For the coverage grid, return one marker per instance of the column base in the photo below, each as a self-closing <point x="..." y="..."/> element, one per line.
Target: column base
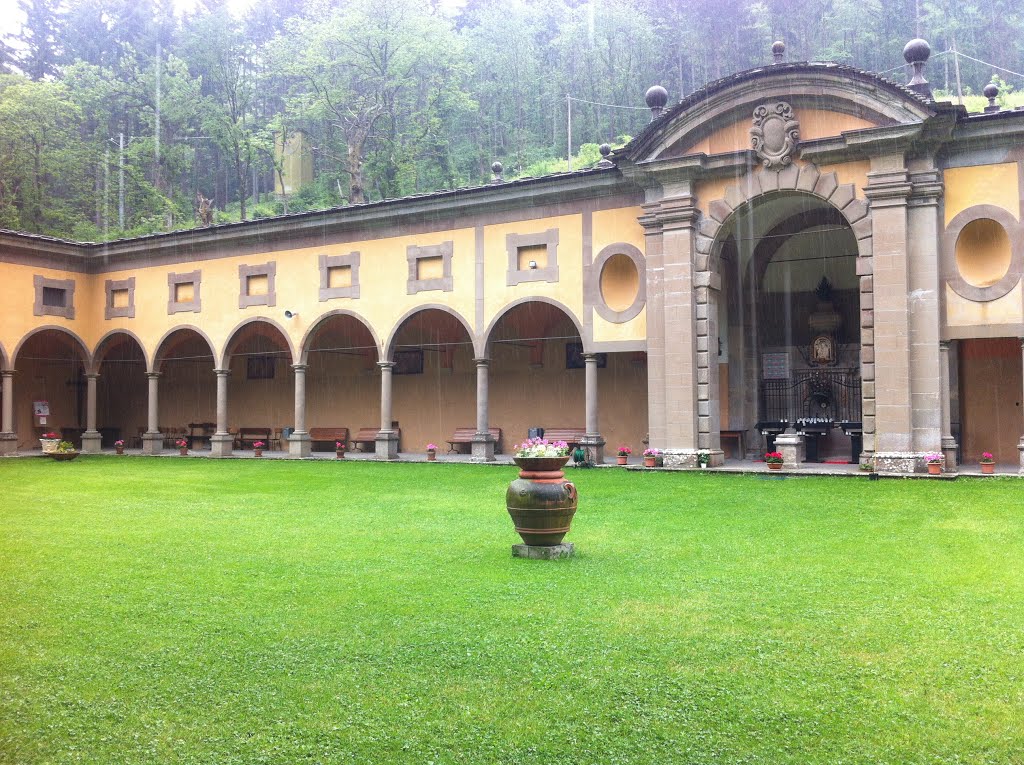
<point x="1020" y="448"/>
<point x="91" y="441"/>
<point x="152" y="442"/>
<point x="8" y="443"/>
<point x="792" y="448"/>
<point x="387" y="445"/>
<point x="482" y="447"/>
<point x="300" y="444"/>
<point x="221" y="444"/>
<point x="595" y="443"/>
<point x="949" y="453"/>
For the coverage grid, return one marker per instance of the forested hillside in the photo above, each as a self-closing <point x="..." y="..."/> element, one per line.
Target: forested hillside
<point x="115" y="114"/>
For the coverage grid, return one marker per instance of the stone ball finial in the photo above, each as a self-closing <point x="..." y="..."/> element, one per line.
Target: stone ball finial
<point x="605" y="150"/>
<point x="497" y="168"/>
<point x="917" y="51"/>
<point x="778" y="50"/>
<point x="656" y="97"/>
<point x="991" y="92"/>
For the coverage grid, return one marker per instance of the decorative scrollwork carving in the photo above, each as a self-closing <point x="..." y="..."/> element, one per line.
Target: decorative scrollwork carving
<point x="775" y="135"/>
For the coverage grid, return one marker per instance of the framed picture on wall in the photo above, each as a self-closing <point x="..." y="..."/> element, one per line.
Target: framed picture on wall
<point x="774" y="366"/>
<point x="409" y="362"/>
<point x="259" y="368"/>
<point x="574" y="357"/>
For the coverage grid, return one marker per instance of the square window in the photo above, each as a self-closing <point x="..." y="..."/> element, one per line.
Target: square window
<point x="54" y="297"/>
<point x="339" y="276"/>
<point x="119" y="298"/>
<point x="430" y="268"/>
<point x="257" y="285"/>
<point x="184" y="292"/>
<point x="533" y="257"/>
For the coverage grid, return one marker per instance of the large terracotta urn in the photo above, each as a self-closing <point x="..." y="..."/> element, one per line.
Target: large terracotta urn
<point x="540" y="501"/>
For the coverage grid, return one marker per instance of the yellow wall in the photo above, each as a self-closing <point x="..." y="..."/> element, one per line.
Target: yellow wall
<point x="982" y="185"/>
<point x="814" y="123"/>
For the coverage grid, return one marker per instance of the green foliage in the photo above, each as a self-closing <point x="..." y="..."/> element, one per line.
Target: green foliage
<point x="243" y="611"/>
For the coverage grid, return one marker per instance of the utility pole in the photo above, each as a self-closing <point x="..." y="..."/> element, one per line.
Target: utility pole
<point x="568" y="127"/>
<point x="106" y="192"/>
<point x="120" y="181"/>
<point x="956" y="68"/>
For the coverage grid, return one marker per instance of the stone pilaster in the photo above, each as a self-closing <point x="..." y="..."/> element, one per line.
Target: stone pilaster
<point x="387" y="439"/>
<point x="91" y="437"/>
<point x="927" y="386"/>
<point x="885" y="347"/>
<point x="672" y="402"/>
<point x="299" y="443"/>
<point x="8" y="438"/>
<point x="792" y="447"/>
<point x="483" y="443"/>
<point x="153" y="439"/>
<point x="221" y="441"/>
<point x="592" y="439"/>
<point x="709" y="413"/>
<point x="948" y="442"/>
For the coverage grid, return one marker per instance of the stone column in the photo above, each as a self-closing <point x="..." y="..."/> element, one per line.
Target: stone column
<point x="709" y="409"/>
<point x="153" y="439"/>
<point x="885" y="349"/>
<point x="1020" y="444"/>
<point x="221" y="441"/>
<point x="592" y="440"/>
<point x="948" y="442"/>
<point x="91" y="437"/>
<point x="299" y="443"/>
<point x="387" y="439"/>
<point x="8" y="438"/>
<point x="483" y="443"/>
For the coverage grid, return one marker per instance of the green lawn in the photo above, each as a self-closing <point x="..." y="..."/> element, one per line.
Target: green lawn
<point x="202" y="611"/>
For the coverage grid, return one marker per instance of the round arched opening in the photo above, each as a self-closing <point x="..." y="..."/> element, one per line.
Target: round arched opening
<point x="983" y="252"/>
<point x="261" y="391"/>
<point x="187" y="400"/>
<point x="121" y="390"/>
<point x="51" y="368"/>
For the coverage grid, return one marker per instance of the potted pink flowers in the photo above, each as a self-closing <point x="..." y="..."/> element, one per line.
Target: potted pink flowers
<point x="431" y="452"/>
<point x="339" y="449"/>
<point x="257" y="447"/>
<point x="119" y="445"/>
<point x="182" y="444"/>
<point x="624" y="452"/>
<point x="49" y="442"/>
<point x="651" y="457"/>
<point x="934" y="463"/>
<point x="988" y="463"/>
<point x="773" y="460"/>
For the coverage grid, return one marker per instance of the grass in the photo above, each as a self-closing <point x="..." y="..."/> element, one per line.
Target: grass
<point x="201" y="611"/>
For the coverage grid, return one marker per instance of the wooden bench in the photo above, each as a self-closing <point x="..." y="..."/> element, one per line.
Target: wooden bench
<point x="571" y="436"/>
<point x="369" y="436"/>
<point x="466" y="435"/>
<point x="249" y="436"/>
<point x="329" y="435"/>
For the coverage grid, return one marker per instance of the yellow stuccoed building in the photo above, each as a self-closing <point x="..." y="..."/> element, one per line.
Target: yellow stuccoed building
<point x="802" y="256"/>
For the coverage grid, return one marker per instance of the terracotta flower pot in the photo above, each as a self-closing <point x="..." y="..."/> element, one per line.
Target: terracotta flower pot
<point x="775" y="466"/>
<point x="648" y="461"/>
<point x="431" y="456"/>
<point x="258" y="452"/>
<point x="934" y="468"/>
<point x="622" y="459"/>
<point x="541" y="502"/>
<point x="183" y="451"/>
<point x="340" y="454"/>
<point x="988" y="468"/>
<point x="119" y="449"/>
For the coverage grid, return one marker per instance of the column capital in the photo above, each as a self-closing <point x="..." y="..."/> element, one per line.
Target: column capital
<point x="92" y="375"/>
<point x="482" y="362"/>
<point x="944" y="345"/>
<point x="222" y="372"/>
<point x="385" y="365"/>
<point x="299" y="367"/>
<point x="7" y="372"/>
<point x="590" y="357"/>
<point x="154" y="375"/>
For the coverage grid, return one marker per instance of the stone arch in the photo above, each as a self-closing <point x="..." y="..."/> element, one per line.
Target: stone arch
<point x="76" y="342"/>
<point x="160" y="349"/>
<point x="389" y="348"/>
<point x="485" y="345"/>
<point x="103" y="346"/>
<point x="5" y="363"/>
<point x="225" y="355"/>
<point x="307" y="339"/>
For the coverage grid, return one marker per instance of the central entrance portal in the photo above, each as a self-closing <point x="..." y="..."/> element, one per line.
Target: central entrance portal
<point x="789" y="338"/>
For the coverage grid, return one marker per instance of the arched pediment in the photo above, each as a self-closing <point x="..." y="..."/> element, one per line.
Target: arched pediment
<point x="826" y="100"/>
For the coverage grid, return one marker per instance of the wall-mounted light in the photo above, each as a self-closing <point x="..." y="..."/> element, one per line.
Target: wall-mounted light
<point x="290" y="314"/>
<point x="533" y="264"/>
